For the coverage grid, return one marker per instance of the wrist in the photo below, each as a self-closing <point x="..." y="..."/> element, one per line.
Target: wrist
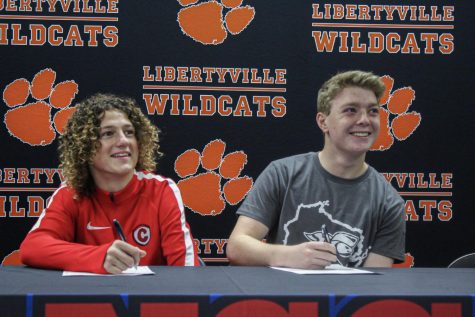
<point x="279" y="256"/>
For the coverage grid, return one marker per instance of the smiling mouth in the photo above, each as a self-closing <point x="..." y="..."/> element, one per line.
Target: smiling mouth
<point x="360" y="134"/>
<point x="121" y="155"/>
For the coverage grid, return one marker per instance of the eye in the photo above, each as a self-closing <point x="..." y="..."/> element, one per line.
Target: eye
<point x="130" y="132"/>
<point x="349" y="110"/>
<point x="374" y="111"/>
<point x="106" y="134"/>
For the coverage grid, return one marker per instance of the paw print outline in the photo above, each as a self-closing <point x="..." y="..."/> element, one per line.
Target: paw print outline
<point x="395" y="104"/>
<point x="13" y="258"/>
<point x="31" y="123"/>
<point x="408" y="261"/>
<point x="205" y="24"/>
<point x="203" y="193"/>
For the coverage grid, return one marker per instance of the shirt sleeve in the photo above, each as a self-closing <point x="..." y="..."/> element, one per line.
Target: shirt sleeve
<point x="390" y="237"/>
<point x="50" y="245"/>
<point x="264" y="201"/>
<point x="177" y="241"/>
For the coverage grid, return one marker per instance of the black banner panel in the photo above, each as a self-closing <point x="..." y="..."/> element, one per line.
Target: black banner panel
<point x="233" y="86"/>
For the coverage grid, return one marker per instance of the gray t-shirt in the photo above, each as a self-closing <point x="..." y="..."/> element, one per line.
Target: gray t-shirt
<point x="294" y="196"/>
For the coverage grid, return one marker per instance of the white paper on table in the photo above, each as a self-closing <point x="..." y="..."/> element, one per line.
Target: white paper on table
<point x="140" y="270"/>
<point x="331" y="269"/>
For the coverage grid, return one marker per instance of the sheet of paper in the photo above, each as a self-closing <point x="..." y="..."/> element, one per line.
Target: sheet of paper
<point x="140" y="270"/>
<point x="331" y="269"/>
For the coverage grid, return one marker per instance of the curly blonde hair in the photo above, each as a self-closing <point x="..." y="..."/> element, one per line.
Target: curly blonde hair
<point x="354" y="78"/>
<point x="80" y="141"/>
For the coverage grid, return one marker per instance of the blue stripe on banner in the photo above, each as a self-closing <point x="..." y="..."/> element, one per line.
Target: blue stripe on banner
<point x="29" y="305"/>
<point x="473" y="305"/>
<point x="125" y="299"/>
<point x="334" y="308"/>
<point x="214" y="297"/>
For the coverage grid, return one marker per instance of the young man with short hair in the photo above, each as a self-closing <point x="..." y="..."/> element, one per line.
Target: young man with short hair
<point x="296" y="198"/>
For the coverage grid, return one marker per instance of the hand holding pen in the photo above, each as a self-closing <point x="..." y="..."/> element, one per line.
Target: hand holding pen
<point x="121" y="255"/>
<point x="326" y="238"/>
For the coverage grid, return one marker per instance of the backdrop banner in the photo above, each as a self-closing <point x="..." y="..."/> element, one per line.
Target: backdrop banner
<point x="233" y="86"/>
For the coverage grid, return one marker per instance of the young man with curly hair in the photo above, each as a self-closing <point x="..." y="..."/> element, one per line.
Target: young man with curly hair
<point x="329" y="206"/>
<point x="107" y="153"/>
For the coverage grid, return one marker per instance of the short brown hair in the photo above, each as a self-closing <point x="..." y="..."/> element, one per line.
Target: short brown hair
<point x="354" y="78"/>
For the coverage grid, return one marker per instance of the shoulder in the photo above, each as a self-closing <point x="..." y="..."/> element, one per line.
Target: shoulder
<point x="295" y="162"/>
<point x="378" y="178"/>
<point x="153" y="182"/>
<point x="63" y="194"/>
<point x="149" y="178"/>
<point x="159" y="189"/>
<point x="296" y="159"/>
<point x="65" y="199"/>
<point x="386" y="188"/>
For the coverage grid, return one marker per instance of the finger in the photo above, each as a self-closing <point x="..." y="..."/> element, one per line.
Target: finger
<point x="118" y="256"/>
<point x="322" y="246"/>
<point x="318" y="265"/>
<point x="113" y="270"/>
<point x="321" y="254"/>
<point x="121" y="265"/>
<point x="126" y="253"/>
<point x="128" y="248"/>
<point x="117" y="269"/>
<point x="136" y="254"/>
<point x="140" y="254"/>
<point x="331" y="248"/>
<point x="321" y="263"/>
<point x="136" y="257"/>
<point x="327" y="256"/>
<point x="113" y="266"/>
<point x="128" y="260"/>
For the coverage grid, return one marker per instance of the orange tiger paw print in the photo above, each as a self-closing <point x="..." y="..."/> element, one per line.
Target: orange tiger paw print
<point x="12" y="259"/>
<point x="32" y="123"/>
<point x="204" y="22"/>
<point x="395" y="104"/>
<point x="408" y="261"/>
<point x="202" y="193"/>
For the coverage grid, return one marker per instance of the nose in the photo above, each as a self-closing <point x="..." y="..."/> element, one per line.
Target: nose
<point x="363" y="118"/>
<point x="122" y="139"/>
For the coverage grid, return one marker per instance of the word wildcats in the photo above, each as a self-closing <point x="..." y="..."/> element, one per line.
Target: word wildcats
<point x="214" y="91"/>
<point x="377" y="29"/>
<point x="76" y="23"/>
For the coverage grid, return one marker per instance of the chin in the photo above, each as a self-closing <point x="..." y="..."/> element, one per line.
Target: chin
<point x="124" y="171"/>
<point x="359" y="151"/>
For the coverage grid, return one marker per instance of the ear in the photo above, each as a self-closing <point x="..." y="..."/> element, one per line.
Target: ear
<point x="321" y="122"/>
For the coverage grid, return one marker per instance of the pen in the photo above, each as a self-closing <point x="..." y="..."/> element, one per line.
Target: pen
<point x="326" y="238"/>
<point x="118" y="227"/>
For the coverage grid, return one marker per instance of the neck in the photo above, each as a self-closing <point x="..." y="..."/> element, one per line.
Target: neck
<point x="343" y="166"/>
<point x="113" y="184"/>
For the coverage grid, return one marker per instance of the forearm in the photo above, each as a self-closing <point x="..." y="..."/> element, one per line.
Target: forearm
<point x="180" y="251"/>
<point x="376" y="260"/>
<point x="44" y="251"/>
<point x="246" y="250"/>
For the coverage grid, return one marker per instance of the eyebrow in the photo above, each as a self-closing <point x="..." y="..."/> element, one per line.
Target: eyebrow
<point x="355" y="104"/>
<point x="114" y="127"/>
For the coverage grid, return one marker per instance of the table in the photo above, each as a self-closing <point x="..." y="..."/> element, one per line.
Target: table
<point x="231" y="291"/>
